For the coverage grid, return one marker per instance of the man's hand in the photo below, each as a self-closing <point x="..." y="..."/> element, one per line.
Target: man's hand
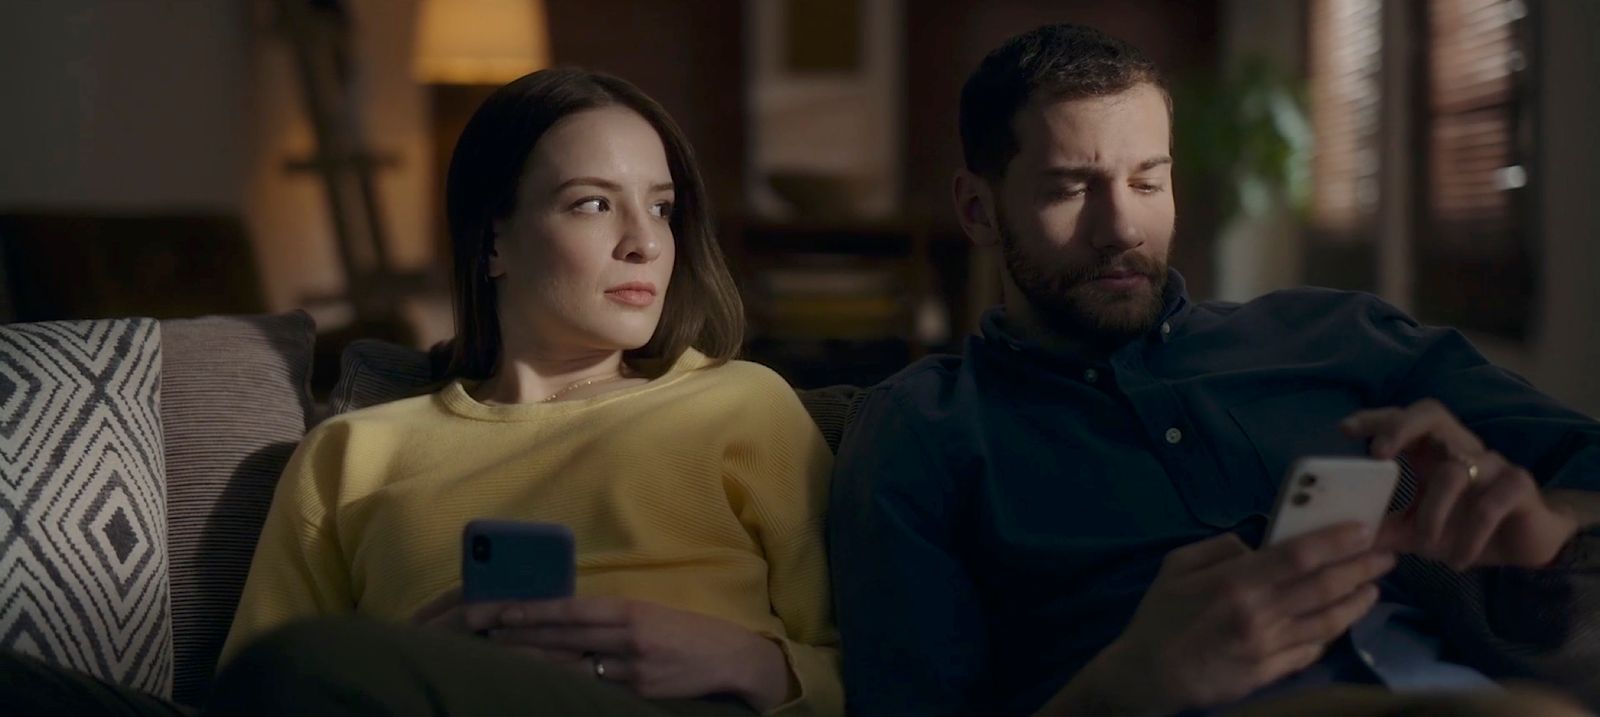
<point x="1221" y="621"/>
<point x="658" y="652"/>
<point x="1473" y="507"/>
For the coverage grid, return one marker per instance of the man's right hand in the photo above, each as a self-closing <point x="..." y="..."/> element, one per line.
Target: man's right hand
<point x="1222" y="620"/>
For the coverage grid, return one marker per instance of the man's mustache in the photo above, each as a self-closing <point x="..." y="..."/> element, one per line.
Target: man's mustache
<point x="1125" y="265"/>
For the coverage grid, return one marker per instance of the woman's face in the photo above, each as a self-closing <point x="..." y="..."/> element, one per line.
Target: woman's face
<point x="582" y="263"/>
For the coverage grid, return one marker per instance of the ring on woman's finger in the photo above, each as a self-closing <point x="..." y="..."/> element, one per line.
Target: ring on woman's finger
<point x="598" y="664"/>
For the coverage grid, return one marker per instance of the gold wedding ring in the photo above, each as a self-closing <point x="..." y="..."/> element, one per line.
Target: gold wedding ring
<point x="1471" y="465"/>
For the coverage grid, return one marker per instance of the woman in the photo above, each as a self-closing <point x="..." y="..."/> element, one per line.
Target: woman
<point x="592" y="387"/>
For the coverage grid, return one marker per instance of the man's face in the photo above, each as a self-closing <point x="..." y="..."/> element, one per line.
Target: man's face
<point x="1085" y="212"/>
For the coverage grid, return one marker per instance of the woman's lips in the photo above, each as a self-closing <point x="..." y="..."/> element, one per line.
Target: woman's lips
<point x="637" y="294"/>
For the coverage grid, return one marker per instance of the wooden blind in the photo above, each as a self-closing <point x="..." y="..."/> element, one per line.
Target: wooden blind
<point x="1472" y="162"/>
<point x="1346" y="90"/>
<point x="1474" y="258"/>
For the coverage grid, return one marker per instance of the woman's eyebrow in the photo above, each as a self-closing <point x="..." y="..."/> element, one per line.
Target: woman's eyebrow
<point x="607" y="184"/>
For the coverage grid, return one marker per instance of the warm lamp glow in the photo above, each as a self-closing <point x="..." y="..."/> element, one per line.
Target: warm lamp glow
<point x="480" y="42"/>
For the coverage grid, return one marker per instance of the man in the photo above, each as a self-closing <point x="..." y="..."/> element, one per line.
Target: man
<point x="1060" y="520"/>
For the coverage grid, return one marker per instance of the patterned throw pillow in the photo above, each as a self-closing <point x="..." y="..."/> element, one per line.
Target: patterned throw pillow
<point x="83" y="548"/>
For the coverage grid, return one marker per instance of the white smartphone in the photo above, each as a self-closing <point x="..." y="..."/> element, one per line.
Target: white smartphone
<point x="1324" y="491"/>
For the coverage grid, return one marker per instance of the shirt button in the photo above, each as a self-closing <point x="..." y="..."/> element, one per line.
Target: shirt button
<point x="1174" y="436"/>
<point x="1091" y="375"/>
<point x="1367" y="658"/>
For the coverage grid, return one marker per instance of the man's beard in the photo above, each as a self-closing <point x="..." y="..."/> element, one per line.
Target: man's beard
<point x="1064" y="298"/>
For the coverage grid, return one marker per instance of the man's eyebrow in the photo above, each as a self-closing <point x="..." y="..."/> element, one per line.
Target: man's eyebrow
<point x="1154" y="162"/>
<point x="1073" y="171"/>
<point x="1090" y="171"/>
<point x="607" y="184"/>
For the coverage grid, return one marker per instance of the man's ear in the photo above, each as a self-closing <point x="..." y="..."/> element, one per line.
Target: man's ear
<point x="975" y="204"/>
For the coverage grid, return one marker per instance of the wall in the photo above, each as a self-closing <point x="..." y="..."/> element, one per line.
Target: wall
<point x="123" y="106"/>
<point x="1566" y="352"/>
<point x="1563" y="352"/>
<point x="687" y="54"/>
<point x="178" y="106"/>
<point x="288" y="211"/>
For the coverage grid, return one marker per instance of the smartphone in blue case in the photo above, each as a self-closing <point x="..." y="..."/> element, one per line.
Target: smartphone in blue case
<point x="513" y="560"/>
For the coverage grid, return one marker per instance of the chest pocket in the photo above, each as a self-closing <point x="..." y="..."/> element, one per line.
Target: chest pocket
<point x="1287" y="427"/>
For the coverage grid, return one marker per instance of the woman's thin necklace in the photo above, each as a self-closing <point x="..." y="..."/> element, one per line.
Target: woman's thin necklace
<point x="575" y="386"/>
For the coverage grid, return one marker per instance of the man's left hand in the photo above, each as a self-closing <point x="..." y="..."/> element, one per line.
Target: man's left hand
<point x="1473" y="507"/>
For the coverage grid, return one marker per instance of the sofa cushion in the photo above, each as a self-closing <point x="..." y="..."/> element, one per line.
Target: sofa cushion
<point x="234" y="404"/>
<point x="373" y="372"/>
<point x="833" y="409"/>
<point x="83" y="515"/>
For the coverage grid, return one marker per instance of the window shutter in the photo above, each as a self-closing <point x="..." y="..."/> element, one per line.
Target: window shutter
<point x="1346" y="92"/>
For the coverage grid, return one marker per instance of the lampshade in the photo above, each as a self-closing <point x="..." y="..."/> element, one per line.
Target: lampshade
<point x="480" y="42"/>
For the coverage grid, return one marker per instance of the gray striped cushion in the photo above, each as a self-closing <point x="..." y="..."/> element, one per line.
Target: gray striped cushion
<point x="83" y="549"/>
<point x="234" y="405"/>
<point x="373" y="372"/>
<point x="833" y="409"/>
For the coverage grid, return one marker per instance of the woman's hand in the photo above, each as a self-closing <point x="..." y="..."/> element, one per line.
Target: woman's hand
<point x="448" y="612"/>
<point x="658" y="652"/>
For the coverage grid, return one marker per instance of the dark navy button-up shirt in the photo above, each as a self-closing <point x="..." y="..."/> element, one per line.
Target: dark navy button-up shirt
<point x="997" y="516"/>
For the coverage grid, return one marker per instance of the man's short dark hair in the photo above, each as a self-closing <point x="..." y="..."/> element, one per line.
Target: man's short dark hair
<point x="1061" y="62"/>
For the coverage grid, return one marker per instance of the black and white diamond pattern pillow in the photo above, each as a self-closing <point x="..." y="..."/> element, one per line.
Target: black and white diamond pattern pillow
<point x="83" y="551"/>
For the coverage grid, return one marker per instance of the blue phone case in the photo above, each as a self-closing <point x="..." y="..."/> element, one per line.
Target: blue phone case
<point x="511" y="560"/>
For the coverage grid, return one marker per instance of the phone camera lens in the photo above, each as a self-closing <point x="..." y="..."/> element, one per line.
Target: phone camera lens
<point x="1301" y="498"/>
<point x="1308" y="481"/>
<point x="480" y="549"/>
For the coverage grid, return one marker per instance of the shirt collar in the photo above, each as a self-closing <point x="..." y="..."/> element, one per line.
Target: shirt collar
<point x="1175" y="307"/>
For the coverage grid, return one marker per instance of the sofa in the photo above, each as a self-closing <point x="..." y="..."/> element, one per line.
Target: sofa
<point x="138" y="459"/>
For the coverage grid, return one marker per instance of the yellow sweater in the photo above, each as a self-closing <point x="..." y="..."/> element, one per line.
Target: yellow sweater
<point x="702" y="490"/>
